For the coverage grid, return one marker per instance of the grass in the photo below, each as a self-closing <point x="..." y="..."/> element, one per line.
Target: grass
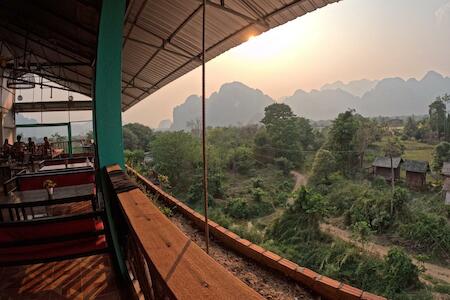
<point x="418" y="151"/>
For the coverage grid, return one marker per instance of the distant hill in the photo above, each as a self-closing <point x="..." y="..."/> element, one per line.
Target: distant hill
<point x="78" y="128"/>
<point x="389" y="97"/>
<point x="237" y="104"/>
<point x="356" y="87"/>
<point x="234" y="104"/>
<point x="164" y="125"/>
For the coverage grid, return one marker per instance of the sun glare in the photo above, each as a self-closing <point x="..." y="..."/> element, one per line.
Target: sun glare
<point x="272" y="44"/>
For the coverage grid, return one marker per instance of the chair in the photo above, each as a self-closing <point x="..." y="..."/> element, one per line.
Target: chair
<point x="5" y="173"/>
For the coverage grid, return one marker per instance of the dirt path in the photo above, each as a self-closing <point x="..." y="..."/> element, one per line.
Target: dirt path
<point x="300" y="180"/>
<point x="269" y="284"/>
<point x="435" y="271"/>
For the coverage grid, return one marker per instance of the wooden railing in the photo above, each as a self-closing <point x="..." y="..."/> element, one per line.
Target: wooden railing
<point x="162" y="262"/>
<point x="324" y="286"/>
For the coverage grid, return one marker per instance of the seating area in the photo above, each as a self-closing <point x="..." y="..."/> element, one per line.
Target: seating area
<point x="89" y="277"/>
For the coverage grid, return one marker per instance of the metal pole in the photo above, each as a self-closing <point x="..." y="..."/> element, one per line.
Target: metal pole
<point x="205" y="161"/>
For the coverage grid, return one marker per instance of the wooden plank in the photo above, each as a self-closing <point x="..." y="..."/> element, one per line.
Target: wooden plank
<point x="186" y="269"/>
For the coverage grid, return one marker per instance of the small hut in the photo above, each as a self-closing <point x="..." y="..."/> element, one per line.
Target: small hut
<point x="416" y="173"/>
<point x="382" y="167"/>
<point x="446" y="191"/>
<point x="446" y="169"/>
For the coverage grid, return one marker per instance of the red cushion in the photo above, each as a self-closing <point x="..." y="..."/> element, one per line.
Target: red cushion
<point x="36" y="182"/>
<point x="53" y="250"/>
<point x="40" y="231"/>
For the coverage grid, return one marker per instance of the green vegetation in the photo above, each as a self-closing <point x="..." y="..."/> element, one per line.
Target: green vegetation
<point x="251" y="191"/>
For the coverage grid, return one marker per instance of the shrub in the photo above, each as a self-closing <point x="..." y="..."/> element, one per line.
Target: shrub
<point x="257" y="182"/>
<point x="399" y="272"/>
<point x="429" y="232"/>
<point x="241" y="209"/>
<point x="284" y="164"/>
<point x="258" y="194"/>
<point x="238" y="208"/>
<point x="379" y="182"/>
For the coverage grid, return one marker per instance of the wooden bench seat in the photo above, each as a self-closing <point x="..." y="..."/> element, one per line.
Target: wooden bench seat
<point x="183" y="269"/>
<point x="52" y="238"/>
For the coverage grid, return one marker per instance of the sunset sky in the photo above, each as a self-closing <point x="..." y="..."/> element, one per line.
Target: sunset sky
<point x="349" y="40"/>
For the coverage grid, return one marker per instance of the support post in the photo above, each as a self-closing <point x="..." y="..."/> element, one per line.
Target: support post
<point x="69" y="144"/>
<point x="107" y="110"/>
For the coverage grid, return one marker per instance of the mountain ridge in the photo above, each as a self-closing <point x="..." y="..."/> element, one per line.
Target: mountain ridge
<point x="238" y="104"/>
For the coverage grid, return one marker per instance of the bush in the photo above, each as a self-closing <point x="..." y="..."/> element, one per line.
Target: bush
<point x="258" y="194"/>
<point x="373" y="207"/>
<point x="284" y="165"/>
<point x="379" y="182"/>
<point x="399" y="272"/>
<point x="238" y="208"/>
<point x="429" y="232"/>
<point x="241" y="209"/>
<point x="257" y="182"/>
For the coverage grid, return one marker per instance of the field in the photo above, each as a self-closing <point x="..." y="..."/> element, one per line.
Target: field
<point x="418" y="151"/>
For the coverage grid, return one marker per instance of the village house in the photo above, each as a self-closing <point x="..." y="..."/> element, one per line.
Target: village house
<point x="416" y="173"/>
<point x="446" y="169"/>
<point x="382" y="167"/>
<point x="446" y="186"/>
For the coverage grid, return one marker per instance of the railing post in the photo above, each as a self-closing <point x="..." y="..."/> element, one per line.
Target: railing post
<point x="69" y="133"/>
<point x="107" y="112"/>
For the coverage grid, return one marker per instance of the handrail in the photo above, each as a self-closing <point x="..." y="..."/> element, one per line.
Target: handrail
<point x="319" y="284"/>
<point x="164" y="263"/>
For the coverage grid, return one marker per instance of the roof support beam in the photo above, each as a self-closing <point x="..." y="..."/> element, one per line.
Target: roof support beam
<point x="168" y="40"/>
<point x="261" y="21"/>
<point x="195" y="58"/>
<point x="162" y="47"/>
<point x="26" y="107"/>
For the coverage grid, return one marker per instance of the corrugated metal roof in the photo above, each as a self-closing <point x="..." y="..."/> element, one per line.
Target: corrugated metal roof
<point x="162" y="39"/>
<point x="417" y="166"/>
<point x="385" y="162"/>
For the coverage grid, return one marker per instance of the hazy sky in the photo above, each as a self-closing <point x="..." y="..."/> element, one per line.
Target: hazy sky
<point x="349" y="40"/>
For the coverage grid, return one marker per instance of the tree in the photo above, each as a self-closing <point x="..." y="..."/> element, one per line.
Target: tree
<point x="275" y="113"/>
<point x="393" y="148"/>
<point x="341" y="141"/>
<point x="241" y="160"/>
<point x="176" y="155"/>
<point x="130" y="140"/>
<point x="367" y="133"/>
<point x="142" y="135"/>
<point x="288" y="134"/>
<point x="410" y="129"/>
<point x="441" y="154"/>
<point x="323" y="166"/>
<point x="437" y="113"/>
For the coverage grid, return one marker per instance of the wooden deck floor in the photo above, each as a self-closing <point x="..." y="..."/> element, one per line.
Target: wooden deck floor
<point x="83" y="278"/>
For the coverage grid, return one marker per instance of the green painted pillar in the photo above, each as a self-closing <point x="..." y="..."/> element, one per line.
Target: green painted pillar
<point x="107" y="113"/>
<point x="108" y="84"/>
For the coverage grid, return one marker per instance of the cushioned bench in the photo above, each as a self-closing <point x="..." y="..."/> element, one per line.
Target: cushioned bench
<point x="61" y="178"/>
<point x="52" y="238"/>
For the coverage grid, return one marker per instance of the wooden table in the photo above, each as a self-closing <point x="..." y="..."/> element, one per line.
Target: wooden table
<point x="63" y="166"/>
<point x="17" y="201"/>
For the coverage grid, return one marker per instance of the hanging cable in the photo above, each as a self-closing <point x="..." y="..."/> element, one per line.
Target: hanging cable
<point x="205" y="161"/>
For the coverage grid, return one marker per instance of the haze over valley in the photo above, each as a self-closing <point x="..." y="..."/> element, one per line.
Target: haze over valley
<point x="237" y="104"/>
